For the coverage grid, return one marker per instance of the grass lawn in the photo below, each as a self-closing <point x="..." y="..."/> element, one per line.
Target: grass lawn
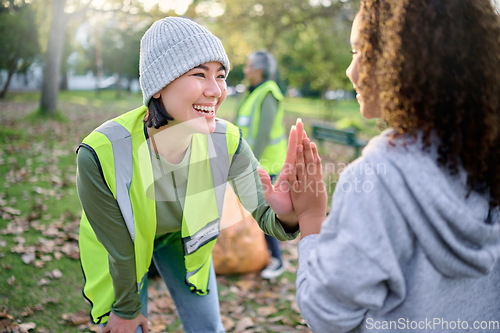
<point x="40" y="275"/>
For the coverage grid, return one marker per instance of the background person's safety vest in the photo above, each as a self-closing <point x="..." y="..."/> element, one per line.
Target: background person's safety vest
<point x="249" y="112"/>
<point x="124" y="157"/>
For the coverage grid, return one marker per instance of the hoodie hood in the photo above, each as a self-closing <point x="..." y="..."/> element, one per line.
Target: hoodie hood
<point x="457" y="229"/>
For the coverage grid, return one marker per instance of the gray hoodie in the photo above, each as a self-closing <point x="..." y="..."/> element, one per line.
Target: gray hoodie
<point x="405" y="248"/>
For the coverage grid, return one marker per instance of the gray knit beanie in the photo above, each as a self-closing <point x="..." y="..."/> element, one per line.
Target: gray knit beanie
<point x="171" y="47"/>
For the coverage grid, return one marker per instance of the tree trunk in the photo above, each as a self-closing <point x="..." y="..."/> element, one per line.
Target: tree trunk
<point x="118" y="85"/>
<point x="63" y="86"/>
<point x="11" y="72"/>
<point x="50" y="85"/>
<point x="12" y="67"/>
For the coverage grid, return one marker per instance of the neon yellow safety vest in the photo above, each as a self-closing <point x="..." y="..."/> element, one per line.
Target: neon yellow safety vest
<point x="273" y="156"/>
<point x="124" y="157"/>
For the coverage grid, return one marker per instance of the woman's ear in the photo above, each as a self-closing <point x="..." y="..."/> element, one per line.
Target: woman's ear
<point x="157" y="95"/>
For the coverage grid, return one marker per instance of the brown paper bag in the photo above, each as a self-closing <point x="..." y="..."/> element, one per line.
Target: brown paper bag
<point x="241" y="246"/>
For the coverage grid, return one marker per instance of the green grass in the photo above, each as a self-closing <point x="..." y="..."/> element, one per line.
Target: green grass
<point x="37" y="161"/>
<point x="40" y="210"/>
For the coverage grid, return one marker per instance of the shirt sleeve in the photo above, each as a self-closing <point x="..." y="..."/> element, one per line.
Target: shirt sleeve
<point x="245" y="181"/>
<point x="351" y="266"/>
<point x="268" y="112"/>
<point x="104" y="215"/>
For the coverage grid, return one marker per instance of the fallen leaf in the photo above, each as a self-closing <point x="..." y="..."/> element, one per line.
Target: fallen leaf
<point x="5" y="325"/>
<point x="5" y="315"/>
<point x="295" y="307"/>
<point x="159" y="324"/>
<point x="43" y="282"/>
<point x="77" y="318"/>
<point x="266" y="311"/>
<point x="54" y="300"/>
<point x="245" y="285"/>
<point x="28" y="258"/>
<point x="94" y="328"/>
<point x="47" y="245"/>
<point x="237" y="309"/>
<point x="55" y="274"/>
<point x="19" y="240"/>
<point x="26" y="327"/>
<point x="38" y="307"/>
<point x="11" y="211"/>
<point x="11" y="280"/>
<point x="227" y="322"/>
<point x="14" y="227"/>
<point x="27" y="312"/>
<point x="243" y="324"/>
<point x="39" y="264"/>
<point x="71" y="250"/>
<point x="161" y="304"/>
<point x="52" y="231"/>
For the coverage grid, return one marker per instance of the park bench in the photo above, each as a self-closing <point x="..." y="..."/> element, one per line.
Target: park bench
<point x="324" y="132"/>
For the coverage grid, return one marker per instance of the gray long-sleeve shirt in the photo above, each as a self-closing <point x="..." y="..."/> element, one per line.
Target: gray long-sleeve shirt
<point x="405" y="248"/>
<point x="104" y="215"/>
<point x="268" y="112"/>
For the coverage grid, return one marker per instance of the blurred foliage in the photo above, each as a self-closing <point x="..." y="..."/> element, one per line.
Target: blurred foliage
<point x="19" y="45"/>
<point x="309" y="39"/>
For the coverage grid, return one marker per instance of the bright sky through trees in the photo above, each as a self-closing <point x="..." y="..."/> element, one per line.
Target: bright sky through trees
<point x="179" y="6"/>
<point x="207" y="8"/>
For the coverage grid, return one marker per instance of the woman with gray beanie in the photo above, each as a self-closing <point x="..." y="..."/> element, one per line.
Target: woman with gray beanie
<point x="152" y="181"/>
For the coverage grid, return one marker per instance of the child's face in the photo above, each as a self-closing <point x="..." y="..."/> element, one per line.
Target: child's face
<point x="194" y="98"/>
<point x="368" y="105"/>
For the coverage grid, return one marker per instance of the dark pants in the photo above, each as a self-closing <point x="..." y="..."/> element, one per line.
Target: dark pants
<point x="272" y="243"/>
<point x="274" y="247"/>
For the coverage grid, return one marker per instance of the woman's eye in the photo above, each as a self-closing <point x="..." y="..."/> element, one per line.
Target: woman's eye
<point x="199" y="74"/>
<point x="222" y="76"/>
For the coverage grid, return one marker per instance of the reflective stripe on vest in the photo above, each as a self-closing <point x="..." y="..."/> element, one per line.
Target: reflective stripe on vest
<point x="249" y="112"/>
<point x="121" y="143"/>
<point x="125" y="134"/>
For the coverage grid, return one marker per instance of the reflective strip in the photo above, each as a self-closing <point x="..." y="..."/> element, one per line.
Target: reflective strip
<point x="279" y="139"/>
<point x="189" y="274"/>
<point x="203" y="236"/>
<point x="140" y="284"/>
<point x="250" y="140"/>
<point x="121" y="143"/>
<point x="219" y="165"/>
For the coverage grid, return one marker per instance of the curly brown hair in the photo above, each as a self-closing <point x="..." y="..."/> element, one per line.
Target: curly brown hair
<point x="435" y="66"/>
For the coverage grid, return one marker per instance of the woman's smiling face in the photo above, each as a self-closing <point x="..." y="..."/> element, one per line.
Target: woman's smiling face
<point x="369" y="105"/>
<point x="194" y="98"/>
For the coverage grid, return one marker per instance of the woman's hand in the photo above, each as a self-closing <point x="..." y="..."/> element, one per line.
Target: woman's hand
<point x="307" y="189"/>
<point x="278" y="196"/>
<point x="116" y="324"/>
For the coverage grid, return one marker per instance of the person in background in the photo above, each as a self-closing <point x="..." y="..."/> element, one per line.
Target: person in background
<point x="260" y="117"/>
<point x="152" y="181"/>
<point x="412" y="239"/>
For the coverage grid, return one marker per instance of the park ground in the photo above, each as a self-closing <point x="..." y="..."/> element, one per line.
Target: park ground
<point x="40" y="274"/>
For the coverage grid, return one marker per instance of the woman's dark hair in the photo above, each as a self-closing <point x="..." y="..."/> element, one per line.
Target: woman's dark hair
<point x="435" y="66"/>
<point x="156" y="116"/>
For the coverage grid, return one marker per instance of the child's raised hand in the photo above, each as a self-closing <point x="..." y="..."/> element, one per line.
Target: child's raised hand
<point x="307" y="188"/>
